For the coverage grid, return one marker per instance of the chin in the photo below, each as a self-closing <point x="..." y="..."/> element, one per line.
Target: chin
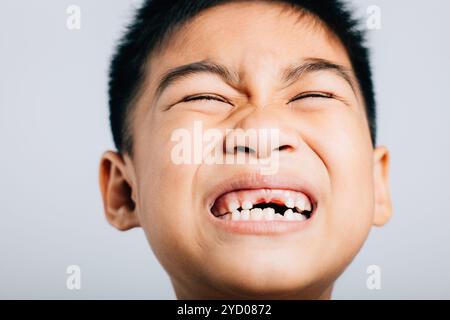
<point x="266" y="275"/>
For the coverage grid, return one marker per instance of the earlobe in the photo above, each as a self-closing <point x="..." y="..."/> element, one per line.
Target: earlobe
<point x="117" y="190"/>
<point x="382" y="196"/>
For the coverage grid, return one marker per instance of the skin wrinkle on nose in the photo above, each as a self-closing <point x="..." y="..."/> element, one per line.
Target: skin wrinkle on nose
<point x="257" y="73"/>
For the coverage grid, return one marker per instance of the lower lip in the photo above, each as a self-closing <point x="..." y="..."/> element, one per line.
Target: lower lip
<point x="262" y="227"/>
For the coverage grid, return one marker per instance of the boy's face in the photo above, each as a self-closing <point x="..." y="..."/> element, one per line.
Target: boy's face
<point x="324" y="153"/>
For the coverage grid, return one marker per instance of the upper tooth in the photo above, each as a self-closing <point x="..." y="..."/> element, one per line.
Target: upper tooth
<point x="232" y="206"/>
<point x="303" y="204"/>
<point x="300" y="204"/>
<point x="247" y="205"/>
<point x="308" y="206"/>
<point x="290" y="203"/>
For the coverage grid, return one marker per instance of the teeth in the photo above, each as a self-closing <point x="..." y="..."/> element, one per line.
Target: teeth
<point x="308" y="206"/>
<point x="300" y="204"/>
<point x="289" y="215"/>
<point x="290" y="203"/>
<point x="233" y="206"/>
<point x="268" y="214"/>
<point x="245" y="215"/>
<point x="256" y="211"/>
<point x="247" y="205"/>
<point x="256" y="214"/>
<point x="278" y="217"/>
<point x="303" y="204"/>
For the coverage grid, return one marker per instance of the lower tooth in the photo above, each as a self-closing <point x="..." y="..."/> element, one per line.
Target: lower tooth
<point x="245" y="214"/>
<point x="268" y="214"/>
<point x="235" y="215"/>
<point x="278" y="217"/>
<point x="256" y="214"/>
<point x="289" y="215"/>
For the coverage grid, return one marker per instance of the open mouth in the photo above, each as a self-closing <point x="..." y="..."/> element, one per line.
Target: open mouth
<point x="263" y="204"/>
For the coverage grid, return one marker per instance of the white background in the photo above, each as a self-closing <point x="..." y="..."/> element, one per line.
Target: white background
<point x="54" y="127"/>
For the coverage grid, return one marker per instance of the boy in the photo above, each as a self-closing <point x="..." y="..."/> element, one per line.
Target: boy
<point x="223" y="229"/>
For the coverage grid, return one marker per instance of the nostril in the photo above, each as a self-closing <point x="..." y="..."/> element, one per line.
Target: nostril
<point x="284" y="148"/>
<point x="243" y="149"/>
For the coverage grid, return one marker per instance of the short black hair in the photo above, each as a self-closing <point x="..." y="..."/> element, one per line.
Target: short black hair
<point x="156" y="19"/>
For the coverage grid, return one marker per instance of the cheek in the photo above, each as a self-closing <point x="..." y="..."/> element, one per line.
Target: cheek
<point x="344" y="146"/>
<point x="166" y="210"/>
<point x="166" y="196"/>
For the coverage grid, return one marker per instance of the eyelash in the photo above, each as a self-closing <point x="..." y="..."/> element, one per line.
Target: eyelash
<point x="204" y="97"/>
<point x="299" y="97"/>
<point x="314" y="95"/>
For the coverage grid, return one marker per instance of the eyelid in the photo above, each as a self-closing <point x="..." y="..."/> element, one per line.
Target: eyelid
<point x="314" y="94"/>
<point x="205" y="97"/>
<point x="311" y="94"/>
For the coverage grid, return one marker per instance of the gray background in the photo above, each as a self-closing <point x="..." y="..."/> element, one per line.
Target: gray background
<point x="53" y="129"/>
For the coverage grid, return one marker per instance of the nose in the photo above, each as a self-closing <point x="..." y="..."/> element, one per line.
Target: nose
<point x="260" y="134"/>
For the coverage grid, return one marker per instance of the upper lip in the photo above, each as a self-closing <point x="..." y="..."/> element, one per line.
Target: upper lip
<point x="251" y="180"/>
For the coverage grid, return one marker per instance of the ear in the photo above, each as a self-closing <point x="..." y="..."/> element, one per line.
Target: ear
<point x="383" y="203"/>
<point x="117" y="192"/>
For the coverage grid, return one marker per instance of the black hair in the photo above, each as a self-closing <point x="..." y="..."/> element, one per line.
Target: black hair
<point x="156" y="19"/>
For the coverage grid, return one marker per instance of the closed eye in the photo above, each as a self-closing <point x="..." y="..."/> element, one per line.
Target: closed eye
<point x="304" y="95"/>
<point x="313" y="95"/>
<point x="204" y="97"/>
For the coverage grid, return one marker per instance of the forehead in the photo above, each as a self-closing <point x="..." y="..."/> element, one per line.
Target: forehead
<point x="248" y="36"/>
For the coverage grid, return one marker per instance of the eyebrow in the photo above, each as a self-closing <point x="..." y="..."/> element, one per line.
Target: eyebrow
<point x="293" y="73"/>
<point x="185" y="71"/>
<point x="289" y="75"/>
